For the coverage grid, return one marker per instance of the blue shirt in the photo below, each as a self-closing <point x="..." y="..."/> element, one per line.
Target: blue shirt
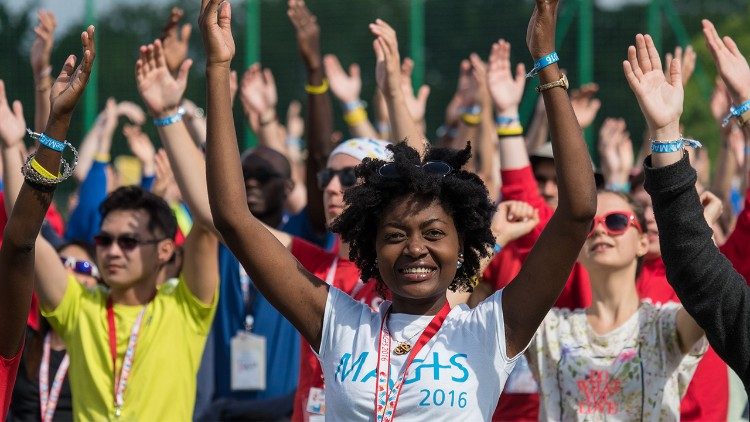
<point x="282" y="339"/>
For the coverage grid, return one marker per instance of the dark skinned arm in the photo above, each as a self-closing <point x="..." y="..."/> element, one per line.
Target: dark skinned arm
<point x="31" y="203"/>
<point x="534" y="290"/>
<point x="296" y="293"/>
<point x="319" y="118"/>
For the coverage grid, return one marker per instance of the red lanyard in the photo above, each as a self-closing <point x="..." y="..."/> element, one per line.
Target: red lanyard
<point x="386" y="399"/>
<point x="48" y="396"/>
<point x="121" y="380"/>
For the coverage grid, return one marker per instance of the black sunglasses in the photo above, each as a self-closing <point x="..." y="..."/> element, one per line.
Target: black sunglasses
<point x="262" y="175"/>
<point x="126" y="243"/>
<point x="438" y="168"/>
<point x="347" y="177"/>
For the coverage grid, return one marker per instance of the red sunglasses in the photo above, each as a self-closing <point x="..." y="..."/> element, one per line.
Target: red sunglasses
<point x="616" y="222"/>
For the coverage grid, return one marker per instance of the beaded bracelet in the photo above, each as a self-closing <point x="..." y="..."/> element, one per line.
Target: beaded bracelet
<point x="661" y="147"/>
<point x="169" y="120"/>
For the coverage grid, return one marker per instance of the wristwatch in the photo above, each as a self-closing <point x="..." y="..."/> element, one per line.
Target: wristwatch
<point x="562" y="82"/>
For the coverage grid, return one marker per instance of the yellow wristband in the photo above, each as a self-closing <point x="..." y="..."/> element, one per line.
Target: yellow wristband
<point x="356" y="116"/>
<point x="471" y="119"/>
<point x="317" y="89"/>
<point x="514" y="130"/>
<point x="102" y="157"/>
<point x="42" y="171"/>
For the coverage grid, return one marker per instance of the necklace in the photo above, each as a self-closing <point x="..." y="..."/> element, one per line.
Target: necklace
<point x="403" y="347"/>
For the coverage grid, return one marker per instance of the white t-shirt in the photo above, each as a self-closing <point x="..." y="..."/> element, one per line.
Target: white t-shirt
<point x="458" y="375"/>
<point x="635" y="372"/>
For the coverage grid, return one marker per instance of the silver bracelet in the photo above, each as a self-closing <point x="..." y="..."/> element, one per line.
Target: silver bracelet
<point x="33" y="176"/>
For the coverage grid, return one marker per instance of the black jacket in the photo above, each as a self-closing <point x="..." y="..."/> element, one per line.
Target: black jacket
<point x="705" y="281"/>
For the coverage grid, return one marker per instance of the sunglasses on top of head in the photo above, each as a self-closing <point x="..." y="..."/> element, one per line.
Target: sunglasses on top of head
<point x="80" y="266"/>
<point x="616" y="222"/>
<point x="126" y="243"/>
<point x="437" y="168"/>
<point x="347" y="177"/>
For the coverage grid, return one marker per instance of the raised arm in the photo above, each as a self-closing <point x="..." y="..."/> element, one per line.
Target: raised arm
<point x="319" y="119"/>
<point x="389" y="76"/>
<point x="258" y="91"/>
<point x="616" y="154"/>
<point x="41" y="50"/>
<point x="507" y="90"/>
<point x="532" y="293"/>
<point x="17" y="254"/>
<point x="297" y="294"/>
<point x="709" y="288"/>
<point x="347" y="88"/>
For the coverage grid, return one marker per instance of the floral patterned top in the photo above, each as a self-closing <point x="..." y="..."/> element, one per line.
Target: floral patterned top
<point x="635" y="372"/>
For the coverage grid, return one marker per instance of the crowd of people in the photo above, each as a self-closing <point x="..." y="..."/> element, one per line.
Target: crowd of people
<point x="491" y="274"/>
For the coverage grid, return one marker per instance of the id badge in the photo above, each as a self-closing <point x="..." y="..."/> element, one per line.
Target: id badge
<point x="316" y="403"/>
<point x="248" y="353"/>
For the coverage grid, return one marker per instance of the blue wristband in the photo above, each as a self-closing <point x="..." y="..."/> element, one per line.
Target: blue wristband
<point x="505" y="120"/>
<point x="735" y="112"/>
<point x="472" y="110"/>
<point x="166" y="121"/>
<point x="50" y="143"/>
<point x="497" y="248"/>
<point x="543" y="62"/>
<point x="661" y="147"/>
<point x="353" y="105"/>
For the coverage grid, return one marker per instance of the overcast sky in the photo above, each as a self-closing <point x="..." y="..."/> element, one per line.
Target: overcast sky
<point x="70" y="11"/>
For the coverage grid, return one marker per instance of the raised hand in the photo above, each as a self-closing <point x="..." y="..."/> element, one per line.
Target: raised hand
<point x="540" y="34"/>
<point x="258" y="90"/>
<point x="12" y="123"/>
<point x="615" y="151"/>
<point x="464" y="93"/>
<point x="70" y="83"/>
<point x="387" y="59"/>
<point x="720" y="101"/>
<point x="140" y="145"/>
<point x="713" y="207"/>
<point x="506" y="90"/>
<point x="585" y="104"/>
<point x="417" y="105"/>
<point x="660" y="97"/>
<point x="161" y="92"/>
<point x="687" y="58"/>
<point x="731" y="64"/>
<point x="512" y="220"/>
<point x="41" y="49"/>
<point x="295" y="124"/>
<point x="175" y="43"/>
<point x="308" y="33"/>
<point x="108" y="118"/>
<point x="347" y="87"/>
<point x="132" y="111"/>
<point x="165" y="184"/>
<point x="216" y="28"/>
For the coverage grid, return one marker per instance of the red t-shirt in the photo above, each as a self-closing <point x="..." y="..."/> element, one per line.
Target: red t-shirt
<point x="8" y="370"/>
<point x="346" y="278"/>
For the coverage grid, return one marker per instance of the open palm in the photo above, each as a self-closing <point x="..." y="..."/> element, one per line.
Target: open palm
<point x="159" y="89"/>
<point x="12" y="123"/>
<point x="506" y="91"/>
<point x="69" y="86"/>
<point x="660" y="97"/>
<point x="216" y="28"/>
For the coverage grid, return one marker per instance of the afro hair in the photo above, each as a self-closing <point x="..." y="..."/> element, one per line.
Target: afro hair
<point x="461" y="193"/>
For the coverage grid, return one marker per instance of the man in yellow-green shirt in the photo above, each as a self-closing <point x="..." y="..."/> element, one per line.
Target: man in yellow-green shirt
<point x="155" y="331"/>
